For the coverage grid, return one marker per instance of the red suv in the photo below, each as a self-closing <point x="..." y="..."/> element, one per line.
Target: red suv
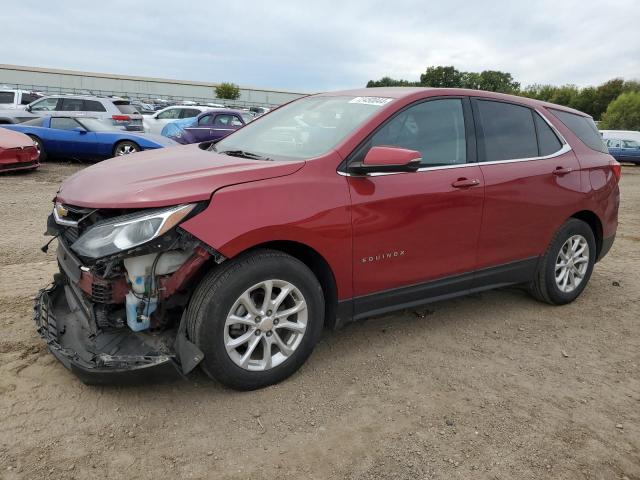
<point x="335" y="207"/>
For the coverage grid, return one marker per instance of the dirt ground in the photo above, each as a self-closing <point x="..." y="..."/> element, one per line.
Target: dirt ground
<point x="492" y="386"/>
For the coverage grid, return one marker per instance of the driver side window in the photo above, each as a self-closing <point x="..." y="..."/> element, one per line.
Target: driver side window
<point x="45" y="105"/>
<point x="435" y="128"/>
<point x="171" y="114"/>
<point x="64" y="123"/>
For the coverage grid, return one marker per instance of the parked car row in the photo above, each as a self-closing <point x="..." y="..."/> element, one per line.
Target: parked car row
<point x="623" y="145"/>
<point x="84" y="138"/>
<point x="17" y="106"/>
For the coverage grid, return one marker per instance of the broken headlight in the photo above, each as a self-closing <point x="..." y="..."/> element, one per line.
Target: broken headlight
<point x="122" y="233"/>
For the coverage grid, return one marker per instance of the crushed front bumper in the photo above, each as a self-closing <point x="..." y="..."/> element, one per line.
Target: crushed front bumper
<point x="95" y="356"/>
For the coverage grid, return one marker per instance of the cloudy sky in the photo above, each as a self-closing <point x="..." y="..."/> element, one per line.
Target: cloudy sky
<point x="325" y="45"/>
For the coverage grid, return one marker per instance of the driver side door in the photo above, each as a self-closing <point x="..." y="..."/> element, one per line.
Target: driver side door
<point x="415" y="235"/>
<point x="69" y="139"/>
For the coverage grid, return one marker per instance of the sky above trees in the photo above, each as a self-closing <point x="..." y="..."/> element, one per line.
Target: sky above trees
<point x="315" y="46"/>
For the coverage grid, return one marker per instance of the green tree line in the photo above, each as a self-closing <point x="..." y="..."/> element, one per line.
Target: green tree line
<point x="594" y="101"/>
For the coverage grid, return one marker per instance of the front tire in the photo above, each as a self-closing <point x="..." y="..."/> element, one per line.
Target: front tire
<point x="566" y="267"/>
<point x="125" y="148"/>
<point x="257" y="319"/>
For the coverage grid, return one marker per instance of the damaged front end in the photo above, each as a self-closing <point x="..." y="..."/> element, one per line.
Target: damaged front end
<point x="116" y="306"/>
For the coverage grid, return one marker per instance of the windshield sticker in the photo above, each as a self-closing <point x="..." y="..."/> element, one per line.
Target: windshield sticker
<point x="378" y="101"/>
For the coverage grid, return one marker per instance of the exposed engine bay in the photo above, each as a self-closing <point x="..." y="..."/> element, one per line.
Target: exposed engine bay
<point x="125" y="280"/>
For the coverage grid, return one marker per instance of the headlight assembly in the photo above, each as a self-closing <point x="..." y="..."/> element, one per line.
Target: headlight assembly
<point x="123" y="233"/>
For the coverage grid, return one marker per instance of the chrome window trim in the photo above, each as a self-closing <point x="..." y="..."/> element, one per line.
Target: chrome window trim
<point x="564" y="149"/>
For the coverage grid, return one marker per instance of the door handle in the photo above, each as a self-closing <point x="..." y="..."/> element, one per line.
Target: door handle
<point x="562" y="171"/>
<point x="465" y="183"/>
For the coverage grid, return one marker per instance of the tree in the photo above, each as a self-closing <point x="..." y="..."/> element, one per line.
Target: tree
<point x="389" y="82"/>
<point x="228" y="91"/>
<point x="496" y="81"/>
<point x="605" y="94"/>
<point x="623" y="113"/>
<point x="443" y="77"/>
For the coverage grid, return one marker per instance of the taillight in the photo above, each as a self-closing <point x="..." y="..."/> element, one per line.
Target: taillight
<point x="121" y="118"/>
<point x="616" y="168"/>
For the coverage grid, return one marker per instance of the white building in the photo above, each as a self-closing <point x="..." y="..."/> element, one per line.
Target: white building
<point x="53" y="81"/>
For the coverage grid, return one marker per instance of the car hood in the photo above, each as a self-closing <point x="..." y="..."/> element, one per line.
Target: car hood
<point x="11" y="139"/>
<point x="164" y="177"/>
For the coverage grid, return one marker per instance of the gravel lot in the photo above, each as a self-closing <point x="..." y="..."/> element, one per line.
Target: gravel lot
<point x="493" y="386"/>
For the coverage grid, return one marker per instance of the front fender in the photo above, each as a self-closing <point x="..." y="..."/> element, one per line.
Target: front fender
<point x="310" y="207"/>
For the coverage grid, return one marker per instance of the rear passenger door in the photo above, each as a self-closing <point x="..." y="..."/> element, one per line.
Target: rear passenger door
<point x="532" y="185"/>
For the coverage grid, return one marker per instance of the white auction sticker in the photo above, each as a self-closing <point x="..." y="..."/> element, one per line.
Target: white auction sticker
<point x="378" y="101"/>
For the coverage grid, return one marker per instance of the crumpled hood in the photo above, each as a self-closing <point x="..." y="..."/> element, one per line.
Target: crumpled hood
<point x="10" y="139"/>
<point x="163" y="177"/>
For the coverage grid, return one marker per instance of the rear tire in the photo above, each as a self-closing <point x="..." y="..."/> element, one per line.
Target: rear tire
<point x="229" y="314"/>
<point x="42" y="155"/>
<point x="566" y="266"/>
<point x="125" y="147"/>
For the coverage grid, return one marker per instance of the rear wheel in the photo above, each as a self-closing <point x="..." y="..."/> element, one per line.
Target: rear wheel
<point x="567" y="264"/>
<point x="256" y="318"/>
<point x="125" y="148"/>
<point x="42" y="155"/>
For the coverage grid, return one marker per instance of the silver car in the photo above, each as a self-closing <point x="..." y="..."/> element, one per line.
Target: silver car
<point x="118" y="112"/>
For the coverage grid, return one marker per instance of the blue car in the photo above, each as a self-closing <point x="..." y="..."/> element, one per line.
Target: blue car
<point x="85" y="138"/>
<point x="624" y="150"/>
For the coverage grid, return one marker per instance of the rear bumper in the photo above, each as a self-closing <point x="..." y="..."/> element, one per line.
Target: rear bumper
<point x="98" y="357"/>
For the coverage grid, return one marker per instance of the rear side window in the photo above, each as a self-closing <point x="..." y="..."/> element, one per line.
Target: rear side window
<point x="508" y="131"/>
<point x="7" y="97"/>
<point x="71" y="105"/>
<point x="126" y="108"/>
<point x="583" y="127"/>
<point x="93" y="106"/>
<point x="190" y="112"/>
<point x="548" y="142"/>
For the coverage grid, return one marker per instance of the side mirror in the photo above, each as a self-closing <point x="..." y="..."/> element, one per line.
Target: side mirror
<point x="80" y="130"/>
<point x="28" y="108"/>
<point x="383" y="159"/>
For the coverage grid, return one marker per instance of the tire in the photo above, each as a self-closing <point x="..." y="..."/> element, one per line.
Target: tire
<point x="546" y="287"/>
<point x="40" y="147"/>
<point x="125" y="147"/>
<point x="212" y="328"/>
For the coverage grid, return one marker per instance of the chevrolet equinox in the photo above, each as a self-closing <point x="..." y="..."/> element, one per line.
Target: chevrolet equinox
<point x="334" y="207"/>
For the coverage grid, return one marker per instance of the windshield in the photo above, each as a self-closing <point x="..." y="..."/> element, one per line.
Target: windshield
<point x="95" y="125"/>
<point x="303" y="129"/>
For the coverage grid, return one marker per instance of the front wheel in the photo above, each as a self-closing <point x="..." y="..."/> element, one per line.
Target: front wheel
<point x="566" y="267"/>
<point x="125" y="148"/>
<point x="257" y="319"/>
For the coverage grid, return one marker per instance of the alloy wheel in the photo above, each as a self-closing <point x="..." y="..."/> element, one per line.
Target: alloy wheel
<point x="125" y="149"/>
<point x="265" y="325"/>
<point x="572" y="263"/>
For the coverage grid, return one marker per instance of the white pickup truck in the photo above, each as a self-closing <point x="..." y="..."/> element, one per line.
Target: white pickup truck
<point x="16" y="99"/>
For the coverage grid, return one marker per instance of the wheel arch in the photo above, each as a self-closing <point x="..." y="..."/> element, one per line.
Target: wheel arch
<point x="317" y="264"/>
<point x="594" y="222"/>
